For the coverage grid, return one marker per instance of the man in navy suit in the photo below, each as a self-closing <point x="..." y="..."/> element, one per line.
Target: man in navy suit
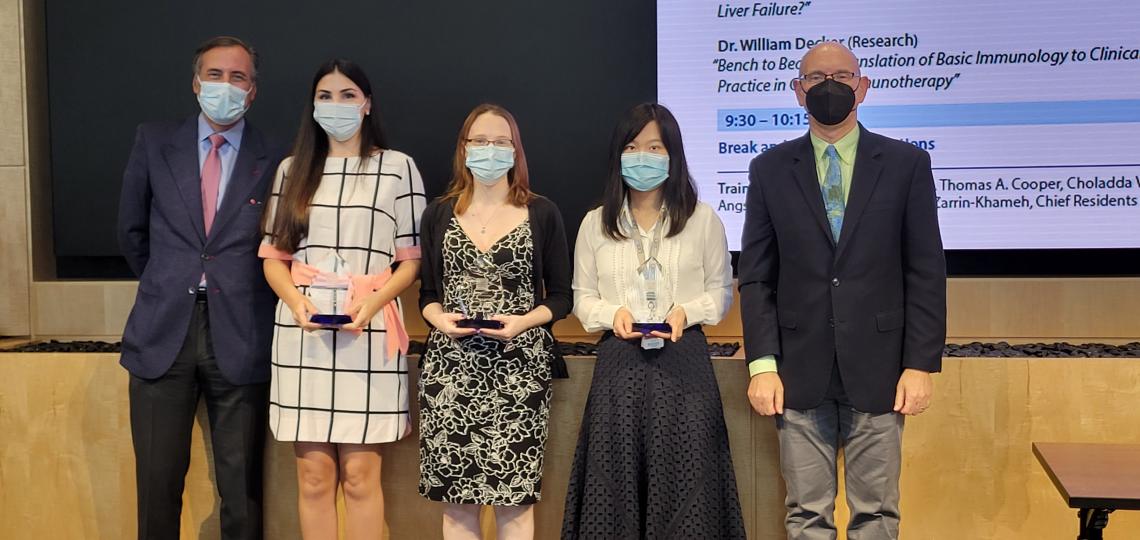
<point x="843" y="297"/>
<point x="192" y="199"/>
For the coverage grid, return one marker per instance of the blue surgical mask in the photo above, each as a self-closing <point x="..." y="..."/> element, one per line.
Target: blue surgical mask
<point x="340" y="120"/>
<point x="489" y="163"/>
<point x="644" y="171"/>
<point x="223" y="103"/>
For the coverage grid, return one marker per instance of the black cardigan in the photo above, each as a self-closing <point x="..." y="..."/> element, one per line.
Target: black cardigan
<point x="551" y="269"/>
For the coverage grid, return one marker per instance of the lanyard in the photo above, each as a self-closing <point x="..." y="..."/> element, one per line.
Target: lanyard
<point x="648" y="266"/>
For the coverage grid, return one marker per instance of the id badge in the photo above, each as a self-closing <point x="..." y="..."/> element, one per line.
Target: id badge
<point x="650" y="343"/>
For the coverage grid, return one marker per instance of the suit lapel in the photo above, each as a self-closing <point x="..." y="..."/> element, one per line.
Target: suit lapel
<point x="181" y="155"/>
<point x="803" y="168"/>
<point x="250" y="163"/>
<point x="864" y="177"/>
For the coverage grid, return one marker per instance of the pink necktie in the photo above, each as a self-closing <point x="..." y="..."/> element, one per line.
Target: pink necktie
<point x="211" y="179"/>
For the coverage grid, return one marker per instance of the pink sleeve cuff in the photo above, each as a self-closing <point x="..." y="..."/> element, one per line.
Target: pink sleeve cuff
<point x="267" y="251"/>
<point x="407" y="253"/>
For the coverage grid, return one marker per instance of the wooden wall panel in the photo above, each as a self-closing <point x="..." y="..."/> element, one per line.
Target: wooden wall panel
<point x="14" y="268"/>
<point x="968" y="472"/>
<point x="14" y="274"/>
<point x="11" y="84"/>
<point x="80" y="309"/>
<point x="66" y="462"/>
<point x="1044" y="307"/>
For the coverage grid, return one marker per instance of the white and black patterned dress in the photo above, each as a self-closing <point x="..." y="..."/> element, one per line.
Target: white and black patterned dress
<point x="340" y="386"/>
<point x="484" y="403"/>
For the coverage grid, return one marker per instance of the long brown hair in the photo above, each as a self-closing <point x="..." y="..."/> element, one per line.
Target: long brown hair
<point x="311" y="149"/>
<point x="463" y="184"/>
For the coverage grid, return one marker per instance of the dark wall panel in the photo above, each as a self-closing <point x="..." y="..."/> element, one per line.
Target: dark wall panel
<point x="565" y="69"/>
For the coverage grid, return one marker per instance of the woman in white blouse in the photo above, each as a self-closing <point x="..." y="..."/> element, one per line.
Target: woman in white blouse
<point x="652" y="457"/>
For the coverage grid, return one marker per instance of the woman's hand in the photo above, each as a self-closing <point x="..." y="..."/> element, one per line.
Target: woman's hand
<point x="513" y="325"/>
<point x="623" y="325"/>
<point x="445" y="322"/>
<point x="303" y="309"/>
<point x="364" y="310"/>
<point x="676" y="319"/>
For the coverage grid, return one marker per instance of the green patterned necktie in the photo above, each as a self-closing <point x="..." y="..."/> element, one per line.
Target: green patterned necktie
<point x="833" y="193"/>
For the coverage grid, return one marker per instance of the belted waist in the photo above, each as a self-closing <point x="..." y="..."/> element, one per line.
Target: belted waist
<point x="362" y="285"/>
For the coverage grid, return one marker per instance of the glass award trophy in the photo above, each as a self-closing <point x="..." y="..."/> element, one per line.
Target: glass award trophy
<point x="476" y="287"/>
<point x="644" y="304"/>
<point x="329" y="292"/>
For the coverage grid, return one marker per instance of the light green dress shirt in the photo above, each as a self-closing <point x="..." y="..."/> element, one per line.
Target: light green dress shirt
<point x="846" y="147"/>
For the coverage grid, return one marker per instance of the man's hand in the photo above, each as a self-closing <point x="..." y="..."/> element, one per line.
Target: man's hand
<point x="913" y="393"/>
<point x="766" y="393"/>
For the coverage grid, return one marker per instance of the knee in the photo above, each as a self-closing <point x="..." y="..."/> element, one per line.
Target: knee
<point x="516" y="516"/>
<point x="316" y="483"/>
<point x="359" y="480"/>
<point x="461" y="514"/>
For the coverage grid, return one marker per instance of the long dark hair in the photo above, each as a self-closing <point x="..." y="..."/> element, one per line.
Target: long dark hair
<point x="678" y="192"/>
<point x="291" y="219"/>
<point x="463" y="184"/>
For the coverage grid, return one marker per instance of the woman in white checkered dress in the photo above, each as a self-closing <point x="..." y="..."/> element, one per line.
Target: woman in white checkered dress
<point x="341" y="386"/>
<point x="341" y="202"/>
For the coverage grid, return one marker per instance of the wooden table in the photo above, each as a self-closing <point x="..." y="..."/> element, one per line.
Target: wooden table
<point x="1094" y="478"/>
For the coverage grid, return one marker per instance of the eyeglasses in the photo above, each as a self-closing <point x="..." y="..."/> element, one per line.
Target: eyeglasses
<point x="817" y="77"/>
<point x="500" y="143"/>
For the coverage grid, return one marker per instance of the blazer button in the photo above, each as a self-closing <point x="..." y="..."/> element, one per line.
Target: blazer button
<point x="191" y="290"/>
<point x="835" y="282"/>
<point x="831" y="322"/>
<point x="205" y="256"/>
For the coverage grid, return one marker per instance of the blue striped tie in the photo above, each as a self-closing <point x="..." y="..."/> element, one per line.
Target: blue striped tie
<point x="833" y="192"/>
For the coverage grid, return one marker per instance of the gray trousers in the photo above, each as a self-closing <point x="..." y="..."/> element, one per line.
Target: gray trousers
<point x="810" y="440"/>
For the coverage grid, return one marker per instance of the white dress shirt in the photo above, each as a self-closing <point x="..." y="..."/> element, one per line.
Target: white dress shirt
<point x="696" y="263"/>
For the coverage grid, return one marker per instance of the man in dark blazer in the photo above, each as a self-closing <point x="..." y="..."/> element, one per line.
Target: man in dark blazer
<point x="843" y="297"/>
<point x="192" y="199"/>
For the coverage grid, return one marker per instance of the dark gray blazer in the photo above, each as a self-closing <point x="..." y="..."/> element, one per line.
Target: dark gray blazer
<point x="162" y="236"/>
<point x="875" y="304"/>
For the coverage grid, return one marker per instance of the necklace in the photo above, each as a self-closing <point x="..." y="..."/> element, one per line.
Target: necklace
<point x="483" y="225"/>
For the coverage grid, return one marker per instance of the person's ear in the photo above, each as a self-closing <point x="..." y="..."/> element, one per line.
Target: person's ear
<point x="801" y="95"/>
<point x="861" y="92"/>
